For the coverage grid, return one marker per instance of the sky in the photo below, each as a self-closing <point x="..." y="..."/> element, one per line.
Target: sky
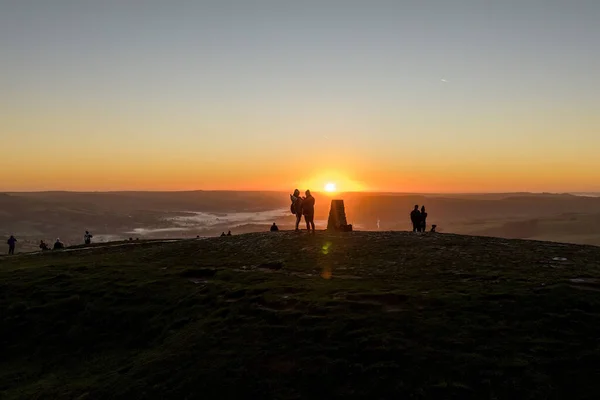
<point x="406" y="96"/>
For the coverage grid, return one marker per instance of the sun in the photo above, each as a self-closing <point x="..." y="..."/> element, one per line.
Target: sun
<point x="330" y="187"/>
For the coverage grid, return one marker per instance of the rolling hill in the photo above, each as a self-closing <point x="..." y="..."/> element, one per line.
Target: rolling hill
<point x="289" y="316"/>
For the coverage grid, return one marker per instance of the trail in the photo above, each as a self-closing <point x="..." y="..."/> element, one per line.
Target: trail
<point x="98" y="246"/>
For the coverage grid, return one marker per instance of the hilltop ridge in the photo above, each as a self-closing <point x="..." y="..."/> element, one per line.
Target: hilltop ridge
<point x="292" y="315"/>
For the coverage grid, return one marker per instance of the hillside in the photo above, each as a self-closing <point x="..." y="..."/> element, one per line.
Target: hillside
<point x="110" y="216"/>
<point x="287" y="316"/>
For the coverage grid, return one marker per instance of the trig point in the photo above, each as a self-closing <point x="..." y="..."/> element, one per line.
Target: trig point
<point x="337" y="217"/>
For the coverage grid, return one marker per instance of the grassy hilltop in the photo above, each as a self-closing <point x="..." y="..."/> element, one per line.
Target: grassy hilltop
<point x="356" y="315"/>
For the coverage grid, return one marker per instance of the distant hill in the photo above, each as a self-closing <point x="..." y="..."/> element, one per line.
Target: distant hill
<point x="292" y="315"/>
<point x="48" y="215"/>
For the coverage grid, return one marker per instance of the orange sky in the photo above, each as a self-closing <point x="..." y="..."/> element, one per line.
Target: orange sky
<point x="502" y="97"/>
<point x="92" y="174"/>
<point x="109" y="156"/>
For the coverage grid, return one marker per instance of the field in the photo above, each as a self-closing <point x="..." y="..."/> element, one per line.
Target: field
<point x="358" y="315"/>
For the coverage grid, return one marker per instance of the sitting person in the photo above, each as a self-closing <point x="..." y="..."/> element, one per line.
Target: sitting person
<point x="229" y="233"/>
<point x="223" y="234"/>
<point x="58" y="245"/>
<point x="274" y="227"/>
<point x="43" y="246"/>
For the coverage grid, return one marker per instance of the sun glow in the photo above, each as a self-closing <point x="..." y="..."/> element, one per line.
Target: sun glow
<point x="331" y="183"/>
<point x="330" y="187"/>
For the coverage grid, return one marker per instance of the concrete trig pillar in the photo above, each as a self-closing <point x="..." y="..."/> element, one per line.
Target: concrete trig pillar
<point x="337" y="217"/>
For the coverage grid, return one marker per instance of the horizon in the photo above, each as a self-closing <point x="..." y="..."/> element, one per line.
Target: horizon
<point x="319" y="192"/>
<point x="379" y="97"/>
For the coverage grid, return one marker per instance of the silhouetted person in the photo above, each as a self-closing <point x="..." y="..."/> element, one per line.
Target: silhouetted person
<point x="308" y="209"/>
<point x="11" y="242"/>
<point x="223" y="234"/>
<point x="229" y="233"/>
<point x="415" y="218"/>
<point x="274" y="227"/>
<point x="423" y="219"/>
<point x="433" y="228"/>
<point x="87" y="238"/>
<point x="296" y="207"/>
<point x="58" y="245"/>
<point x="43" y="246"/>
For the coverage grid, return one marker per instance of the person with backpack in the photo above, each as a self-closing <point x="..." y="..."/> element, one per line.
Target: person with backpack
<point x="296" y="207"/>
<point x="308" y="209"/>
<point x="415" y="218"/>
<point x="11" y="242"/>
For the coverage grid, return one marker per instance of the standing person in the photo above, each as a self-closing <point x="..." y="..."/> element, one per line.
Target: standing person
<point x="308" y="209"/>
<point x="87" y="238"/>
<point x="423" y="219"/>
<point x="415" y="218"/>
<point x="12" y="242"/>
<point x="296" y="207"/>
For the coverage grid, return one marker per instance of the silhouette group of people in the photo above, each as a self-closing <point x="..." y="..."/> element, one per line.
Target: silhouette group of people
<point x="419" y="219"/>
<point x="300" y="207"/>
<point x="58" y="244"/>
<point x="303" y="206"/>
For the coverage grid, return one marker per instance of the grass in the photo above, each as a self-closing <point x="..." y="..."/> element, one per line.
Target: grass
<point x="356" y="315"/>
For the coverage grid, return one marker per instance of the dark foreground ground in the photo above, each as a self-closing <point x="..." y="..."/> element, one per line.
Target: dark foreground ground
<point x="360" y="315"/>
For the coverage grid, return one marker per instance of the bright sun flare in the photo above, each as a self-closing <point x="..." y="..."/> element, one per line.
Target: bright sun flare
<point x="330" y="187"/>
